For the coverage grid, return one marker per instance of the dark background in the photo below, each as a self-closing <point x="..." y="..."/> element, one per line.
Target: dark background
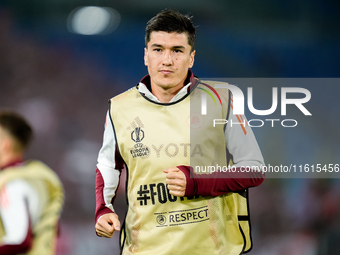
<point x="61" y="82"/>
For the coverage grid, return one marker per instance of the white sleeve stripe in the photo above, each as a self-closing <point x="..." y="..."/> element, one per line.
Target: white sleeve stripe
<point x="107" y="163"/>
<point x="15" y="215"/>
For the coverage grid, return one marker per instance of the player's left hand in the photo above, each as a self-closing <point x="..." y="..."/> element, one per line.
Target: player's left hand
<point x="176" y="181"/>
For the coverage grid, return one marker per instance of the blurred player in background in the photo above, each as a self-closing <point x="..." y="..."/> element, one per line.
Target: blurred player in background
<point x="171" y="210"/>
<point x="31" y="194"/>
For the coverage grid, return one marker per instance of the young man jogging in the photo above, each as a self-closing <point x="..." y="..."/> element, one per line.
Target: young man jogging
<point x="150" y="130"/>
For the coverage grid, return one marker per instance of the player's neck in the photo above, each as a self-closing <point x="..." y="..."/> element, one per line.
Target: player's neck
<point x="164" y="95"/>
<point x="10" y="159"/>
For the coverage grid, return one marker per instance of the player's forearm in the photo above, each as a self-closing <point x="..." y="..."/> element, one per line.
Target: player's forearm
<point x="105" y="191"/>
<point x="219" y="183"/>
<point x="108" y="170"/>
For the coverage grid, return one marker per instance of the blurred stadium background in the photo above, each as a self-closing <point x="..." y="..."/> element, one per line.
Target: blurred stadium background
<point x="59" y="64"/>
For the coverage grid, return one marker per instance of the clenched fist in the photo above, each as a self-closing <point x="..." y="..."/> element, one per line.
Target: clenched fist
<point x="176" y="181"/>
<point x="107" y="224"/>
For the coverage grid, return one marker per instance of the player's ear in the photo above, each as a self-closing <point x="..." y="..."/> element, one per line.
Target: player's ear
<point x="145" y="56"/>
<point x="192" y="58"/>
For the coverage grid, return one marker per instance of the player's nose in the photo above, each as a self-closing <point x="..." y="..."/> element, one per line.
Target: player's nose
<point x="167" y="58"/>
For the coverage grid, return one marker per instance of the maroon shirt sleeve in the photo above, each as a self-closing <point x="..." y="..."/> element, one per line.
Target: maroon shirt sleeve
<point x="100" y="203"/>
<point x="219" y="183"/>
<point x="11" y="249"/>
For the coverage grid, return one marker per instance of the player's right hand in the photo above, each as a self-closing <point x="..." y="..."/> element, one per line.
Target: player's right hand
<point x="107" y="224"/>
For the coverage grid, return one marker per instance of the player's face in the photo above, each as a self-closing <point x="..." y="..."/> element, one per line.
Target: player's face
<point x="168" y="57"/>
<point x="2" y="135"/>
<point x="5" y="140"/>
<point x="7" y="146"/>
<point x="2" y="143"/>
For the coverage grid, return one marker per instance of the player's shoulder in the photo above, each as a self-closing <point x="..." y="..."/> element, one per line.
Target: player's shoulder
<point x="212" y="83"/>
<point x="215" y="87"/>
<point x="124" y="101"/>
<point x="17" y="186"/>
<point x="16" y="183"/>
<point x="125" y="94"/>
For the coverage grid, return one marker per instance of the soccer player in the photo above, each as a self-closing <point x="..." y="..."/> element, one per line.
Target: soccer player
<point x="31" y="194"/>
<point x="152" y="131"/>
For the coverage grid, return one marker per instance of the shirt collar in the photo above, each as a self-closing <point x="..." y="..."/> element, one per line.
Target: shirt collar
<point x="144" y="88"/>
<point x="12" y="164"/>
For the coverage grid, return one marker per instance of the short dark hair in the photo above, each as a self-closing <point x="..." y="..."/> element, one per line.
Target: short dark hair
<point x="17" y="127"/>
<point x="170" y="20"/>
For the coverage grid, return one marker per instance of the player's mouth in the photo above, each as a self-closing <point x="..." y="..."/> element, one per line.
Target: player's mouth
<point x="165" y="72"/>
